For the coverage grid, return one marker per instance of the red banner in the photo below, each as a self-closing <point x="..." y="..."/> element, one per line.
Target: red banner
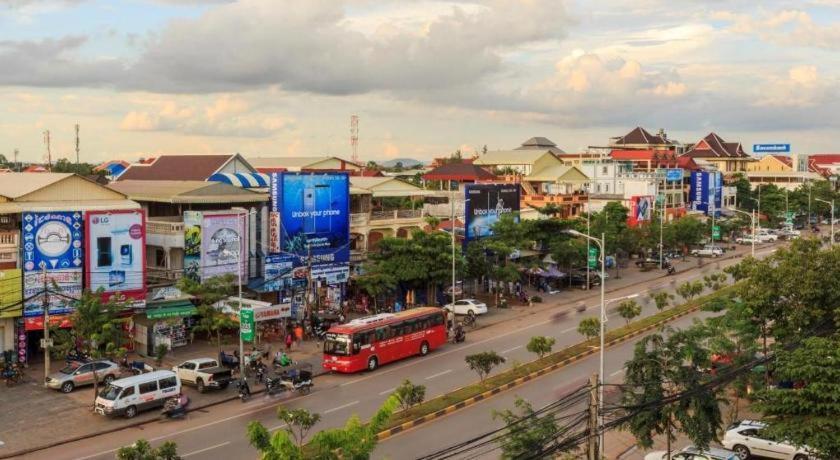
<point x="36" y="323"/>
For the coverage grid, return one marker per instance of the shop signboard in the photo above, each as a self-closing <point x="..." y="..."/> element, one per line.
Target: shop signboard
<point x="485" y="204"/>
<point x="11" y="293"/>
<point x="116" y="255"/>
<point x="279" y="311"/>
<point x="771" y="148"/>
<point x="715" y="233"/>
<point x="331" y="273"/>
<point x="641" y="209"/>
<point x="592" y="260"/>
<point x="314" y="216"/>
<point x="192" y="245"/>
<point x="674" y="175"/>
<point x="246" y="324"/>
<point x="52" y="256"/>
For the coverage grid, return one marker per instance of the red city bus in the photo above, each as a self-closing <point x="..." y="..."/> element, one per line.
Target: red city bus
<point x="367" y="343"/>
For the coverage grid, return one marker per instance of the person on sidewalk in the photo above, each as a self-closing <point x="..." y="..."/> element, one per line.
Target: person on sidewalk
<point x="298" y="334"/>
<point x="288" y="341"/>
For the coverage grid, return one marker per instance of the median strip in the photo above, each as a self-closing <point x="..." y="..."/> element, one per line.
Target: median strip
<point x="471" y="394"/>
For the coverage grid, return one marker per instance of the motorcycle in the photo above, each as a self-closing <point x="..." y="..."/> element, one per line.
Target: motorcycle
<point x="297" y="379"/>
<point x="244" y="390"/>
<point x="175" y="407"/>
<point x="12" y="375"/>
<point x="458" y="334"/>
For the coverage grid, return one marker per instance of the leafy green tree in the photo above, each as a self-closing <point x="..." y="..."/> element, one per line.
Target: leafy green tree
<point x="690" y="290"/>
<point x="410" y="394"/>
<point x="808" y="416"/>
<point x="526" y="432"/>
<point x="589" y="327"/>
<point x="684" y="232"/>
<point x="662" y="368"/>
<point x="628" y="310"/>
<point x="484" y="362"/>
<point x="354" y="441"/>
<point x="209" y="295"/>
<point x="63" y="165"/>
<point x="298" y="422"/>
<point x="715" y="281"/>
<point x="142" y="450"/>
<point x="541" y="345"/>
<point x="569" y="253"/>
<point x="662" y="299"/>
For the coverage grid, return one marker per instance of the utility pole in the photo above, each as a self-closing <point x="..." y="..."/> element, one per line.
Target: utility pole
<point x="452" y="227"/>
<point x="18" y="167"/>
<point x="592" y="449"/>
<point x="46" y="306"/>
<point x="306" y="305"/>
<point x="77" y="143"/>
<point x="49" y="153"/>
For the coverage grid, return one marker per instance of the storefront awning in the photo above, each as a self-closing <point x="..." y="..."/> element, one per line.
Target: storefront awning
<point x="172" y="310"/>
<point x="242" y="180"/>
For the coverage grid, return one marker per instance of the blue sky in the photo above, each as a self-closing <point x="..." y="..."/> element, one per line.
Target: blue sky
<point x="282" y="77"/>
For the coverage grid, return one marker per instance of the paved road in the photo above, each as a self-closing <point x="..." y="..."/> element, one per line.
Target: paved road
<point x="220" y="431"/>
<point x="477" y="420"/>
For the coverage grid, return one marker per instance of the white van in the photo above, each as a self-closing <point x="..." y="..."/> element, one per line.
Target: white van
<point x="140" y="392"/>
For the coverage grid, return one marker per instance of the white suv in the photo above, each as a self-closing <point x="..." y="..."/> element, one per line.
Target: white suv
<point x="746" y="439"/>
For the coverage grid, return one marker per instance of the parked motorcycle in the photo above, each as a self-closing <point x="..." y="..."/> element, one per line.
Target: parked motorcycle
<point x="297" y="379"/>
<point x="175" y="407"/>
<point x="458" y="334"/>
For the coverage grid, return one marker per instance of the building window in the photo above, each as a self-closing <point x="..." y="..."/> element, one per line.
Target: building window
<point x="606" y="188"/>
<point x="604" y="170"/>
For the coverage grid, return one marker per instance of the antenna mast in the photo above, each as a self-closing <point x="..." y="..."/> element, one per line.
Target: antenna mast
<point x="77" y="143"/>
<point x="49" y="153"/>
<point x="354" y="137"/>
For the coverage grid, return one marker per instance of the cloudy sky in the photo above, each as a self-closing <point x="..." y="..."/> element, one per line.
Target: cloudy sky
<point x="283" y="77"/>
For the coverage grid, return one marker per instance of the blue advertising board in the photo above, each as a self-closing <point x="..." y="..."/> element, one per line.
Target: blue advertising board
<point x="771" y="148"/>
<point x="485" y="204"/>
<point x="314" y="211"/>
<point x="706" y="192"/>
<point x="674" y="175"/>
<point x="52" y="246"/>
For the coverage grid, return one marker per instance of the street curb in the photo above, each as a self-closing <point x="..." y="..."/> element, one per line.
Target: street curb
<point x="134" y="424"/>
<point x="382" y="435"/>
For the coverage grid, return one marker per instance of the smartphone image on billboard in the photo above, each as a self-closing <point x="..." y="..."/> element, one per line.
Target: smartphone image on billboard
<point x="126" y="254"/>
<point x="323" y="194"/>
<point x="103" y="252"/>
<point x="309" y="205"/>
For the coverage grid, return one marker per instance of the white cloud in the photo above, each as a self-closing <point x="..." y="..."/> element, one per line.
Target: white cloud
<point x="787" y="27"/>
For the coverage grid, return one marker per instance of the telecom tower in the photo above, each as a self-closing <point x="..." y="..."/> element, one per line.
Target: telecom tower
<point x="49" y="153"/>
<point x="354" y="137"/>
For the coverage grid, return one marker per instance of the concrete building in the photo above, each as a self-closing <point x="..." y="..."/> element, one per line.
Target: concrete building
<point x="728" y="157"/>
<point x="785" y="171"/>
<point x="297" y="164"/>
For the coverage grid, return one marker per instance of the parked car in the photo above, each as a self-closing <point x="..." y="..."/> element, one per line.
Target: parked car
<point x="746" y="239"/>
<point x="747" y="438"/>
<point x="766" y="236"/>
<point x="203" y="373"/>
<point x="693" y="453"/>
<point x="76" y="374"/>
<point x="578" y="279"/>
<point x="707" y="251"/>
<point x="650" y="262"/>
<point x="467" y="307"/>
<point x="132" y="394"/>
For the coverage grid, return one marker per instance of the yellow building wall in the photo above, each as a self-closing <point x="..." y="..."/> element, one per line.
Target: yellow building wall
<point x="73" y="188"/>
<point x="768" y="164"/>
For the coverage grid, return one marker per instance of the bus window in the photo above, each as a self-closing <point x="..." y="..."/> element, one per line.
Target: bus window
<point x="337" y="344"/>
<point x="382" y="333"/>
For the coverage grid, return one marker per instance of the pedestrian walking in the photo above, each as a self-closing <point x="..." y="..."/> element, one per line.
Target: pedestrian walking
<point x="288" y="341"/>
<point x="299" y="334"/>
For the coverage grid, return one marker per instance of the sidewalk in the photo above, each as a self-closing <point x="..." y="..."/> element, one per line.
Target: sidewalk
<point x="33" y="415"/>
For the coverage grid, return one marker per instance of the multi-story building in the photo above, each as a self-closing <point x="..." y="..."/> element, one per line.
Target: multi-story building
<point x="728" y="157"/>
<point x="784" y="171"/>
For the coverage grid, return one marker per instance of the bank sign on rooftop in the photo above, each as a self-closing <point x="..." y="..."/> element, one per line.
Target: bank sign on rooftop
<point x="771" y="148"/>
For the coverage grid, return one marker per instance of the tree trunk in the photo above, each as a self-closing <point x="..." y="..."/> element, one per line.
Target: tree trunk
<point x="766" y="367"/>
<point x="95" y="387"/>
<point x="668" y="438"/>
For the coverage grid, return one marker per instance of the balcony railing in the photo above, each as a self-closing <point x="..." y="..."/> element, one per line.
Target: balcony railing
<point x="556" y="199"/>
<point x="161" y="227"/>
<point x="359" y="218"/>
<point x="9" y="239"/>
<point x="396" y="214"/>
<point x="160" y="274"/>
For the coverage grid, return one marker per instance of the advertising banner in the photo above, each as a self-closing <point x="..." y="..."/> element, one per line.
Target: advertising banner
<point x="674" y="175"/>
<point x="224" y="240"/>
<point x="282" y="272"/>
<point x="706" y="192"/>
<point x="314" y="216"/>
<point x="771" y="148"/>
<point x="11" y="293"/>
<point x="116" y="254"/>
<point x="485" y="204"/>
<point x="331" y="273"/>
<point x="192" y="245"/>
<point x="52" y="247"/>
<point x="641" y="209"/>
<point x="246" y="324"/>
<point x="279" y="311"/>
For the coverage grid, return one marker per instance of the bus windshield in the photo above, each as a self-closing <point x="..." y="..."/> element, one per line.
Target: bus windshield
<point x="110" y="392"/>
<point x="337" y="344"/>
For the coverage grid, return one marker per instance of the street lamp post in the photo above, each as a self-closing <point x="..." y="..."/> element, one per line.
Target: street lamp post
<point x="752" y="225"/>
<point x="830" y="203"/>
<point x="600" y="244"/>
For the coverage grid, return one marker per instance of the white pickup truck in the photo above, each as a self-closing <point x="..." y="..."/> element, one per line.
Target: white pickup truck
<point x="203" y="373"/>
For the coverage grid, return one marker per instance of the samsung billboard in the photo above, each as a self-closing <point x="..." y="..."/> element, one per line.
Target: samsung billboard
<point x="314" y="217"/>
<point x="706" y="192"/>
<point x="485" y="205"/>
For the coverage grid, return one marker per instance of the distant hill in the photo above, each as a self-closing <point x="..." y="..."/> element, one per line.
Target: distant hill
<point x="407" y="163"/>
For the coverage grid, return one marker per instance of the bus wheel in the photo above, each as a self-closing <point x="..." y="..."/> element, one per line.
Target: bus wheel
<point x="424" y="349"/>
<point x="373" y="363"/>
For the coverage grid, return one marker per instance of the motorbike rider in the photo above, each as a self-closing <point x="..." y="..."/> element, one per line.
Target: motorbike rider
<point x="282" y="359"/>
<point x="244" y="389"/>
<point x="458" y="333"/>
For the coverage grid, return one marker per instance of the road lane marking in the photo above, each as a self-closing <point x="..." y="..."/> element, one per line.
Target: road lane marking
<point x="616" y="372"/>
<point x="206" y="449"/>
<point x="568" y="330"/>
<point x="389" y="390"/>
<point x="438" y="374"/>
<point x="511" y="349"/>
<point x="278" y="427"/>
<point x="341" y="407"/>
